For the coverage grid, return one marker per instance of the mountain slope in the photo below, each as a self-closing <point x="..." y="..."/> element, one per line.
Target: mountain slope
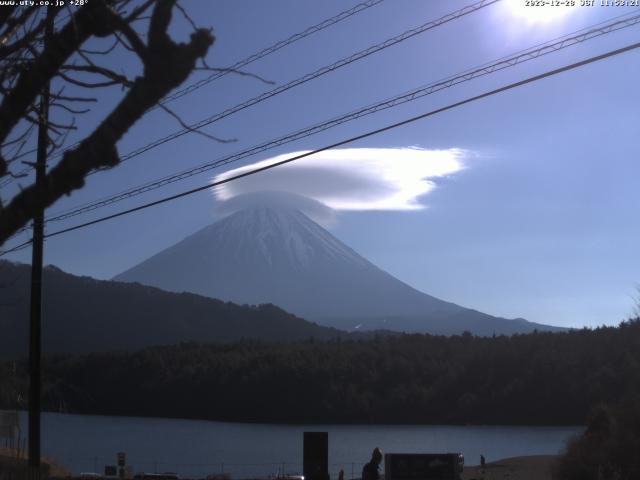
<point x="278" y="255"/>
<point x="81" y="314"/>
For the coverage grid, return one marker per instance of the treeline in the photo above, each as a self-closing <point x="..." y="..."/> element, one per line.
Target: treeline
<point x="536" y="379"/>
<point x="608" y="449"/>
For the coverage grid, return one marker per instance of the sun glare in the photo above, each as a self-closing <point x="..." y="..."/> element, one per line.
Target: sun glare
<point x="539" y="11"/>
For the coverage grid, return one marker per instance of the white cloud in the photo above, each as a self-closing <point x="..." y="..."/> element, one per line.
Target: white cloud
<point x="315" y="210"/>
<point x="351" y="178"/>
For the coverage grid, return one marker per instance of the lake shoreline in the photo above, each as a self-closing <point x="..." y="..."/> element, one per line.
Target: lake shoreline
<point x="527" y="467"/>
<point x="310" y="422"/>
<point x="530" y="467"/>
<point x="196" y="449"/>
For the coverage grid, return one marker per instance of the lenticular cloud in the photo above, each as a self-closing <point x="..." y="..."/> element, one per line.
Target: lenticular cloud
<point x="351" y="178"/>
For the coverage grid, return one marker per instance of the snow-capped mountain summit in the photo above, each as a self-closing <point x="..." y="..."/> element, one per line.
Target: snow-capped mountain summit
<point x="275" y="254"/>
<point x="280" y="235"/>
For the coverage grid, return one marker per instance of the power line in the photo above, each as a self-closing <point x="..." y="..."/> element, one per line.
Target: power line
<point x="614" y="24"/>
<point x="371" y="133"/>
<point x="10" y="178"/>
<point x="235" y="67"/>
<point x="611" y="25"/>
<point x="301" y="80"/>
<point x="273" y="48"/>
<point x="306" y="78"/>
<point x="21" y="246"/>
<point x="486" y="69"/>
<point x="312" y="76"/>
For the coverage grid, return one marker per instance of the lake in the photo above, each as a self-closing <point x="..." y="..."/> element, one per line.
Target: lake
<point x="196" y="448"/>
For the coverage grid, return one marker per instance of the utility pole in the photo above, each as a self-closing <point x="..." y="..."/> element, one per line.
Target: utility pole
<point x="35" y="331"/>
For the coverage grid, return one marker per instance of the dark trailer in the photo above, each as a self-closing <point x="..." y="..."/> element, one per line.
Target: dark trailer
<point x="423" y="466"/>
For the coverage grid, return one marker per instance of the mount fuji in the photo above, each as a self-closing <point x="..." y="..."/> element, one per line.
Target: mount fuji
<point x="275" y="254"/>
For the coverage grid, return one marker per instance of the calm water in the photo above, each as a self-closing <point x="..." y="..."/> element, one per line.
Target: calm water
<point x="195" y="448"/>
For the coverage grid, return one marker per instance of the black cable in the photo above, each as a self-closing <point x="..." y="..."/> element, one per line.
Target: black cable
<point x="304" y="79"/>
<point x="311" y="76"/>
<point x="235" y="67"/>
<point x="273" y="48"/>
<point x="510" y="86"/>
<point x="486" y="69"/>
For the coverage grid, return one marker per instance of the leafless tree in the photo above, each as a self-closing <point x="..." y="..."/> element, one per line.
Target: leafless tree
<point x="67" y="59"/>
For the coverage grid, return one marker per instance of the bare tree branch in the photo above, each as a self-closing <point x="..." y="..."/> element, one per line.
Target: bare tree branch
<point x="105" y="72"/>
<point x="236" y="72"/>
<point x="61" y="46"/>
<point x="186" y="126"/>
<point x="166" y="65"/>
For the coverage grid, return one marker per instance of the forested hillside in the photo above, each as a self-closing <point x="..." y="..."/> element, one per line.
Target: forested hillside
<point x="82" y="315"/>
<point x="538" y="378"/>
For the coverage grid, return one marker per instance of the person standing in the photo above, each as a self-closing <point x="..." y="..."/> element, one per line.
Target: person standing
<point x="370" y="470"/>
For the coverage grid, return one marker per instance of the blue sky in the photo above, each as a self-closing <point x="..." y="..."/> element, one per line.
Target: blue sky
<point x="541" y="221"/>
